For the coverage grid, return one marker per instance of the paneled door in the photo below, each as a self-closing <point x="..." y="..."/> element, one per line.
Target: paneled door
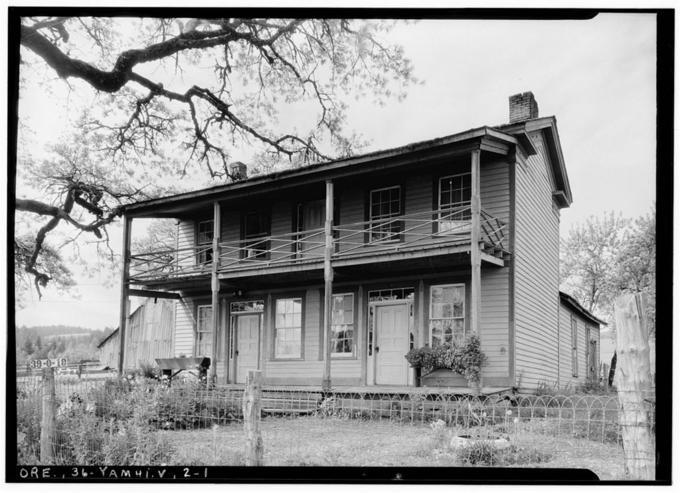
<point x="247" y="345"/>
<point x="391" y="344"/>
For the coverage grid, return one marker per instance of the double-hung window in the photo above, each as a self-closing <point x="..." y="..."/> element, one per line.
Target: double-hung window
<point x="342" y="325"/>
<point x="256" y="226"/>
<point x="447" y="314"/>
<point x="204" y="238"/>
<point x="204" y="330"/>
<point x="455" y="193"/>
<point x="385" y="207"/>
<point x="288" y="328"/>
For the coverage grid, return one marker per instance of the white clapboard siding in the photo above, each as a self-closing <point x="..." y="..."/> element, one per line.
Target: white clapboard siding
<point x="494" y="322"/>
<point x="184" y="328"/>
<point x="536" y="273"/>
<point x="186" y="239"/>
<point x="567" y="379"/>
<point x="309" y="371"/>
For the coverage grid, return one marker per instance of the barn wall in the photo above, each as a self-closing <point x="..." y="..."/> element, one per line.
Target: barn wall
<point x="150" y="333"/>
<point x="108" y="353"/>
<point x="536" y="258"/>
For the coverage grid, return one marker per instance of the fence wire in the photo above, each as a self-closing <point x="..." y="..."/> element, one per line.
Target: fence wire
<point x="149" y="422"/>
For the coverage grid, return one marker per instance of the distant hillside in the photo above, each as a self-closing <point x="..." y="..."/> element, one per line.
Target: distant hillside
<point x="52" y="330"/>
<point x="58" y="341"/>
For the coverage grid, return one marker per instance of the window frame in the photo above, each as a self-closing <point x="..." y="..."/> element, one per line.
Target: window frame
<point x="392" y="237"/>
<point x="351" y="354"/>
<point x="204" y="257"/>
<point x="429" y="311"/>
<point x="440" y="207"/>
<point x="263" y="237"/>
<point x="574" y="346"/>
<point x="199" y="331"/>
<point x="275" y="301"/>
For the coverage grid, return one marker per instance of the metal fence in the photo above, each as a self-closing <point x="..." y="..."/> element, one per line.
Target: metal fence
<point x="148" y="422"/>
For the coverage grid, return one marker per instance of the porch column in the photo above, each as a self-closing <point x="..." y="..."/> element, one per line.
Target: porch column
<point x="328" y="287"/>
<point x="475" y="254"/>
<point x="215" y="288"/>
<point x="124" y="293"/>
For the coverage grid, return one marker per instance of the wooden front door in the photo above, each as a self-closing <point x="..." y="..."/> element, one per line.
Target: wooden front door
<point x="391" y="344"/>
<point x="247" y="345"/>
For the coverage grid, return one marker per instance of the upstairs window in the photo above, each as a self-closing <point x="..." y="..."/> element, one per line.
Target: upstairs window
<point x="385" y="206"/>
<point x="256" y="231"/>
<point x="342" y="325"/>
<point x="204" y="237"/>
<point x="455" y="194"/>
<point x="447" y="314"/>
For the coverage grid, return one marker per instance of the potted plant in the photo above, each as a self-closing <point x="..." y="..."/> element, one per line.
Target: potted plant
<point x="465" y="359"/>
<point x="419" y="358"/>
<point x="471" y="360"/>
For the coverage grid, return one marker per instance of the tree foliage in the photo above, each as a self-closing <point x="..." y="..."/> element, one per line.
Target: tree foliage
<point x="607" y="256"/>
<point x="174" y="93"/>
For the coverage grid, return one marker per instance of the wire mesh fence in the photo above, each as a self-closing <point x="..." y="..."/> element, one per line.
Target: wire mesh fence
<point x="149" y="422"/>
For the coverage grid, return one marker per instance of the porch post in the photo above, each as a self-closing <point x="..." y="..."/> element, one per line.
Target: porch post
<point x="215" y="288"/>
<point x="328" y="287"/>
<point x="124" y="293"/>
<point x="475" y="253"/>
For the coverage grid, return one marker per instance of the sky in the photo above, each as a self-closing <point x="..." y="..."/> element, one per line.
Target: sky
<point x="597" y="77"/>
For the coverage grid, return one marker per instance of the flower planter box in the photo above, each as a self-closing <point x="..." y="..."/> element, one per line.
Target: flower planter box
<point x="443" y="378"/>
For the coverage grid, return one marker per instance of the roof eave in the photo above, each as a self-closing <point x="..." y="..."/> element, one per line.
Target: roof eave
<point x="138" y="209"/>
<point x="571" y="301"/>
<point x="547" y="125"/>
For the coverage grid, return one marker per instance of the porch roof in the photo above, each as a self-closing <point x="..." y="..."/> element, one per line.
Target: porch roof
<point x="488" y="138"/>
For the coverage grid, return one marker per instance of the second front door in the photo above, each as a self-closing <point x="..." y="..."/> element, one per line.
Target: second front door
<point x="247" y="345"/>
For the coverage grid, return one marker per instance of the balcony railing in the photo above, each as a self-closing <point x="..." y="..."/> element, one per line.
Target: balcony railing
<point x="149" y="266"/>
<point x="422" y="230"/>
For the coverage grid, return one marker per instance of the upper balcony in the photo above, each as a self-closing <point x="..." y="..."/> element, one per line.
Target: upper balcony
<point x="400" y="237"/>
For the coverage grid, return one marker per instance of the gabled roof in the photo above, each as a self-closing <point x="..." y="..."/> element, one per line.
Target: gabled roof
<point x="115" y="331"/>
<point x="576" y="306"/>
<point x="503" y="135"/>
<point x="107" y="338"/>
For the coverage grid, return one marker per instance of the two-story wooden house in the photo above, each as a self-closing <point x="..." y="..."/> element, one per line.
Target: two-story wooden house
<point x="331" y="272"/>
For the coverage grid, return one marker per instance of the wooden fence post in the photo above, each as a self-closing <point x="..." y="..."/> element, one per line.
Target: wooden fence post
<point x="633" y="384"/>
<point x="48" y="425"/>
<point x="251" y="418"/>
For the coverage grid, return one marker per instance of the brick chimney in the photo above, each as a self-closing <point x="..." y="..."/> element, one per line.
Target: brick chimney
<point x="523" y="107"/>
<point x="238" y="171"/>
